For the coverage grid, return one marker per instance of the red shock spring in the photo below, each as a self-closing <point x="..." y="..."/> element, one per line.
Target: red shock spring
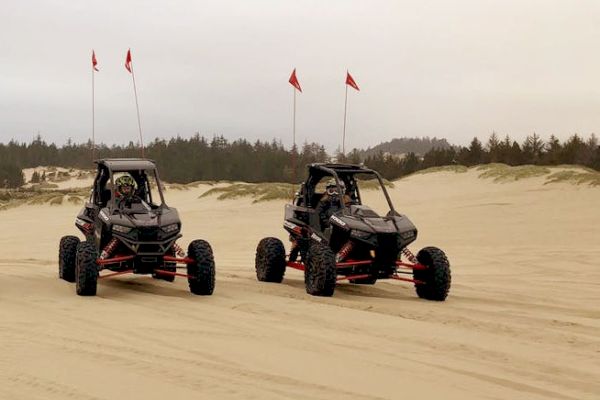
<point x="410" y="256"/>
<point x="87" y="228"/>
<point x="109" y="248"/>
<point x="178" y="250"/>
<point x="344" y="251"/>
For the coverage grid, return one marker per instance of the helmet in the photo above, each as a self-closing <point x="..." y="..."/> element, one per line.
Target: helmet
<point x="125" y="185"/>
<point x="332" y="188"/>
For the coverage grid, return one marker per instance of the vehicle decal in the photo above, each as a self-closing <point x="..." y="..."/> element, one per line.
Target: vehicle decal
<point x="316" y="237"/>
<point x="104" y="216"/>
<point x="290" y="225"/>
<point x="338" y="221"/>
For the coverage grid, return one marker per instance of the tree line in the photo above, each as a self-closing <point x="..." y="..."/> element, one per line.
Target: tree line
<point x="184" y="160"/>
<point x="575" y="150"/>
<point x="406" y="145"/>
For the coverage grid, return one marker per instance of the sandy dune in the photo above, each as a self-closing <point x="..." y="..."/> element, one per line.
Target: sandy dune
<point x="522" y="320"/>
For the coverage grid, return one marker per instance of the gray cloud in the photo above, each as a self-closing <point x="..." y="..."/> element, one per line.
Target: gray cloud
<point x="453" y="69"/>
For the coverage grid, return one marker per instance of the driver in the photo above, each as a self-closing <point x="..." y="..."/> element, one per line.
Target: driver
<point x="125" y="193"/>
<point x="330" y="202"/>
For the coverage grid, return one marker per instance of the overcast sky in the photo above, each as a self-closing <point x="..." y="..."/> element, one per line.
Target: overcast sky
<point x="453" y="69"/>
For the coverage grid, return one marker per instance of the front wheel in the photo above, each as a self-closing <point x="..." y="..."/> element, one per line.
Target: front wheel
<point x="67" y="257"/>
<point x="86" y="270"/>
<point x="320" y="271"/>
<point x="436" y="278"/>
<point x="270" y="260"/>
<point x="201" y="273"/>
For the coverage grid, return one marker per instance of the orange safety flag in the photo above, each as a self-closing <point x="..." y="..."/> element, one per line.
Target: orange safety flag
<point x="94" y="61"/>
<point x="294" y="81"/>
<point x="350" y="81"/>
<point x="128" y="61"/>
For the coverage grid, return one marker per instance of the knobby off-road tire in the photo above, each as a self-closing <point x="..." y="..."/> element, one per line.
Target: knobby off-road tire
<point x="270" y="260"/>
<point x="67" y="257"/>
<point x="436" y="277"/>
<point x="320" y="271"/>
<point x="86" y="270"/>
<point x="202" y="271"/>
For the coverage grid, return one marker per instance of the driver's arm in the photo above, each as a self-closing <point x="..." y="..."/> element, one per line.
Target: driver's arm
<point x="347" y="200"/>
<point x="322" y="207"/>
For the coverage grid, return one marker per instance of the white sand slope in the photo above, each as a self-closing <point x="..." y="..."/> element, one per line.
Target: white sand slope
<point x="73" y="179"/>
<point x="522" y="320"/>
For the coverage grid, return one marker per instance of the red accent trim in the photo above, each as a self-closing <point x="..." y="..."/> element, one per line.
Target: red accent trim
<point x="127" y="271"/>
<point x="295" y="265"/>
<point x="351" y="263"/>
<point x="114" y="260"/>
<point x="163" y="272"/>
<point x="185" y="260"/>
<point x="412" y="266"/>
<point x="341" y="278"/>
<point x="399" y="278"/>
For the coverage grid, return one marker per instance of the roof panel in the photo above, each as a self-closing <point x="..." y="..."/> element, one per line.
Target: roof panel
<point x="127" y="164"/>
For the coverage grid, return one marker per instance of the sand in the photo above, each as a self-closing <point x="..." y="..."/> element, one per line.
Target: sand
<point x="522" y="320"/>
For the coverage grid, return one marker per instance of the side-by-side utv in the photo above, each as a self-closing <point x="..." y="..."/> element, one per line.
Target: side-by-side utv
<point x="334" y="237"/>
<point x="134" y="232"/>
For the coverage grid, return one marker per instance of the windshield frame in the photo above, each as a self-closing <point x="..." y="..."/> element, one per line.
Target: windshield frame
<point x="357" y="171"/>
<point x="112" y="204"/>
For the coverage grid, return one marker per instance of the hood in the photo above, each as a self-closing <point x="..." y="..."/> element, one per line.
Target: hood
<point x="363" y="218"/>
<point x="154" y="218"/>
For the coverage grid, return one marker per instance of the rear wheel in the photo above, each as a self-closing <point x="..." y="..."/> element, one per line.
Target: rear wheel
<point x="202" y="271"/>
<point x="86" y="270"/>
<point x="320" y="271"/>
<point x="436" y="278"/>
<point x="270" y="260"/>
<point x="67" y="257"/>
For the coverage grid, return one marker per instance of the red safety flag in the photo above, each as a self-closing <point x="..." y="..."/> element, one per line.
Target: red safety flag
<point x="94" y="61"/>
<point x="350" y="81"/>
<point x="294" y="81"/>
<point x="128" y="61"/>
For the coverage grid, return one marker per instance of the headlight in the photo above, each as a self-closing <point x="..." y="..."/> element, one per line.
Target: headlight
<point x="171" y="228"/>
<point x="360" y="234"/>
<point x="121" y="229"/>
<point x="407" y="235"/>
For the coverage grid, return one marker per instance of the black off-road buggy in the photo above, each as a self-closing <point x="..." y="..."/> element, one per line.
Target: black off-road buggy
<point x="355" y="243"/>
<point x="135" y="236"/>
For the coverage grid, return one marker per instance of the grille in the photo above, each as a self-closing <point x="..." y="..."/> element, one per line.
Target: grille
<point x="148" y="234"/>
<point x="387" y="248"/>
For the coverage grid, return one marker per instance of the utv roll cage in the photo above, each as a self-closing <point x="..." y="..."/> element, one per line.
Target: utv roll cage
<point x="307" y="196"/>
<point x="103" y="195"/>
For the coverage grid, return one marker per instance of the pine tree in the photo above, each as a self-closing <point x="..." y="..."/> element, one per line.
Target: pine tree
<point x="493" y="148"/>
<point x="553" y="149"/>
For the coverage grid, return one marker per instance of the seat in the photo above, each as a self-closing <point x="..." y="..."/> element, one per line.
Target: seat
<point x="105" y="197"/>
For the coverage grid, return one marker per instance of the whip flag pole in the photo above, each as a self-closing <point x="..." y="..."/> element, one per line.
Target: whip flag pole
<point x="296" y="88"/>
<point x="349" y="82"/>
<point x="129" y="67"/>
<point x="294" y="82"/>
<point x="94" y="69"/>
